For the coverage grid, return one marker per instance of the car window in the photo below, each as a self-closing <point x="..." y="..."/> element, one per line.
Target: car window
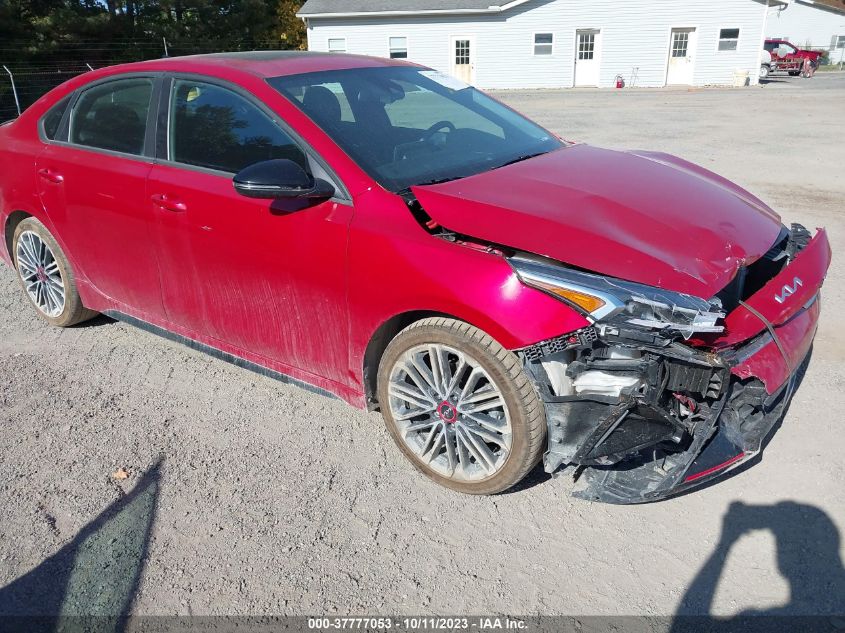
<point x="113" y="116"/>
<point x="412" y="126"/>
<point x="770" y="46"/>
<point x="421" y="108"/>
<point x="216" y="128"/>
<point x="328" y="92"/>
<point x="53" y="118"/>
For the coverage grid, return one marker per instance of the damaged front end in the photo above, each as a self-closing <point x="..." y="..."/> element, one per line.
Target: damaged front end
<point x="657" y="395"/>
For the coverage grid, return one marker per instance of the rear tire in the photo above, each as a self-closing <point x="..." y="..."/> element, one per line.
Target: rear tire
<point x="460" y="407"/>
<point x="764" y="71"/>
<point x="46" y="276"/>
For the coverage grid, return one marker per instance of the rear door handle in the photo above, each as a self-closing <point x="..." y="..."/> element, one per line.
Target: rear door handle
<point x="169" y="203"/>
<point x="51" y="176"/>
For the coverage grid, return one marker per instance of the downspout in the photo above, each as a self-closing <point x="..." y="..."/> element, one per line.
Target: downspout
<point x="755" y="76"/>
<point x="307" y="33"/>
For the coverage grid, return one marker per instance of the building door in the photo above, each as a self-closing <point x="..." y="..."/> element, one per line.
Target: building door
<point x="588" y="43"/>
<point x="463" y="58"/>
<point x="681" y="63"/>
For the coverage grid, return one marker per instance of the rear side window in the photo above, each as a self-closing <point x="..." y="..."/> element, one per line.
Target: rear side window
<point x="113" y="116"/>
<point x="216" y="128"/>
<point x="51" y="121"/>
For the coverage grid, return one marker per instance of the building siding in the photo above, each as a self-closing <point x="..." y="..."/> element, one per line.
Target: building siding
<point x="634" y="34"/>
<point x="808" y="26"/>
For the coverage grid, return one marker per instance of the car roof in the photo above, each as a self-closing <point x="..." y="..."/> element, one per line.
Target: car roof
<point x="261" y="63"/>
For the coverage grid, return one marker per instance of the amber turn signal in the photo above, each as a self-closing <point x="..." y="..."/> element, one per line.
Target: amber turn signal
<point x="588" y="303"/>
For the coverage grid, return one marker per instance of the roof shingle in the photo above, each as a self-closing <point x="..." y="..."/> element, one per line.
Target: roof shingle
<point x="321" y="7"/>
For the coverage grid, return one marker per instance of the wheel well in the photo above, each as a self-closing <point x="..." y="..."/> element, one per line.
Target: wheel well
<point x="15" y="218"/>
<point x="385" y="333"/>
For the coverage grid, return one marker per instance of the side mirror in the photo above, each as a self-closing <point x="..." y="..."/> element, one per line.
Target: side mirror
<point x="280" y="178"/>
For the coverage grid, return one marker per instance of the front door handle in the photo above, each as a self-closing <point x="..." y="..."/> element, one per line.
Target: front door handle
<point x="168" y="202"/>
<point x="51" y="176"/>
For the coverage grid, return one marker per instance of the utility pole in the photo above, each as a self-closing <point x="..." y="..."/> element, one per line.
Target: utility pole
<point x="164" y="41"/>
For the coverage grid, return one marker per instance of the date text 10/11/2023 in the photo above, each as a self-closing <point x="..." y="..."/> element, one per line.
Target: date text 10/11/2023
<point x="480" y="623"/>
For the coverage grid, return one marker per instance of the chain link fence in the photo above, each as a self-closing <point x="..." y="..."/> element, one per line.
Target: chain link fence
<point x="20" y="87"/>
<point x="22" y="83"/>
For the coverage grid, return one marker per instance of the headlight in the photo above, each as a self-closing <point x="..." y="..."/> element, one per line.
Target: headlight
<point x="618" y="302"/>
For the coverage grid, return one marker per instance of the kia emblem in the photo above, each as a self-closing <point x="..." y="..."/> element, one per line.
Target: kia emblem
<point x="788" y="290"/>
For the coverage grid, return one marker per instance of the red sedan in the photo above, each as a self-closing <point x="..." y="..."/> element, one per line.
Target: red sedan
<point x="381" y="232"/>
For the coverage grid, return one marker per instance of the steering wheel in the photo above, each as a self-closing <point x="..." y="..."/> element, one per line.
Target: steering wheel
<point x="431" y="131"/>
<point x="400" y="151"/>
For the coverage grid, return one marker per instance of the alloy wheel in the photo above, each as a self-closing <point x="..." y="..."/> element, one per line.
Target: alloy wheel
<point x="450" y="413"/>
<point x="41" y="275"/>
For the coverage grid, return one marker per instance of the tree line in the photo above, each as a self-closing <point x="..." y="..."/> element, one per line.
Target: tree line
<point x="42" y="33"/>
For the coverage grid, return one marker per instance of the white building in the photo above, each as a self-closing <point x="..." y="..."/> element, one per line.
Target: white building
<point x="552" y="43"/>
<point x="809" y="24"/>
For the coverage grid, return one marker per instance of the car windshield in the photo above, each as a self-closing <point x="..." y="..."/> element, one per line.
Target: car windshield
<point x="408" y="126"/>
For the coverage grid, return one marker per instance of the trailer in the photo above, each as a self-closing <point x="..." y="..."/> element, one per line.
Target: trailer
<point x="793" y="66"/>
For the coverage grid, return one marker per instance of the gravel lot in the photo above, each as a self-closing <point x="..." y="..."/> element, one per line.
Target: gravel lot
<point x="271" y="500"/>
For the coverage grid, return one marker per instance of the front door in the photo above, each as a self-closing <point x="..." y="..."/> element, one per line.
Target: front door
<point x="264" y="276"/>
<point x="93" y="188"/>
<point x="588" y="42"/>
<point x="681" y="62"/>
<point x="463" y="58"/>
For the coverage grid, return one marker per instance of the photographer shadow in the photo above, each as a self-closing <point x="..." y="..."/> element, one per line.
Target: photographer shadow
<point x="808" y="558"/>
<point x="90" y="583"/>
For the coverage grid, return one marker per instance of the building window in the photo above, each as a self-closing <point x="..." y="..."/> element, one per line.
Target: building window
<point x="461" y="52"/>
<point x="398" y="48"/>
<point x="337" y="44"/>
<point x="586" y="45"/>
<point x="728" y="39"/>
<point x="543" y="43"/>
<point x="680" y="43"/>
<point x="840" y="41"/>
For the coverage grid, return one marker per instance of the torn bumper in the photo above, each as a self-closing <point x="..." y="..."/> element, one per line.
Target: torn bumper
<point x="634" y="449"/>
<point x="736" y="433"/>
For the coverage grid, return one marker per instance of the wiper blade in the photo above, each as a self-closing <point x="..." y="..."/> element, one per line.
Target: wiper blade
<point x="521" y="158"/>
<point x="433" y="181"/>
<point x="437" y="181"/>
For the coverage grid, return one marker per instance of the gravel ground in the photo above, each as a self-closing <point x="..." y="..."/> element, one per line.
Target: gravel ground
<point x="261" y="498"/>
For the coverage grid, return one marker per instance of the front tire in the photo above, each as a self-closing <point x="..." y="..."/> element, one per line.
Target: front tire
<point x="764" y="71"/>
<point x="46" y="276"/>
<point x="460" y="407"/>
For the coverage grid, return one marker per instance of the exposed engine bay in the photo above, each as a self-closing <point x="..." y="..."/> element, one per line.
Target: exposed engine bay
<point x="632" y="407"/>
<point x="609" y="397"/>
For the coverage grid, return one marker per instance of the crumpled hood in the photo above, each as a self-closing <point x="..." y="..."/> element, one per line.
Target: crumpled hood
<point x="640" y="216"/>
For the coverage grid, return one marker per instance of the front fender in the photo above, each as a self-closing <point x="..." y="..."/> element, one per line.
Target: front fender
<point x="396" y="266"/>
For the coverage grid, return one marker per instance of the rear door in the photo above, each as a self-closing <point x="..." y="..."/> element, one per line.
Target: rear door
<point x="265" y="276"/>
<point x="92" y="182"/>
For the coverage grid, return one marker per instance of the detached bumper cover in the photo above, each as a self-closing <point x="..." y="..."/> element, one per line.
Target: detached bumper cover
<point x="778" y="324"/>
<point x="733" y="438"/>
